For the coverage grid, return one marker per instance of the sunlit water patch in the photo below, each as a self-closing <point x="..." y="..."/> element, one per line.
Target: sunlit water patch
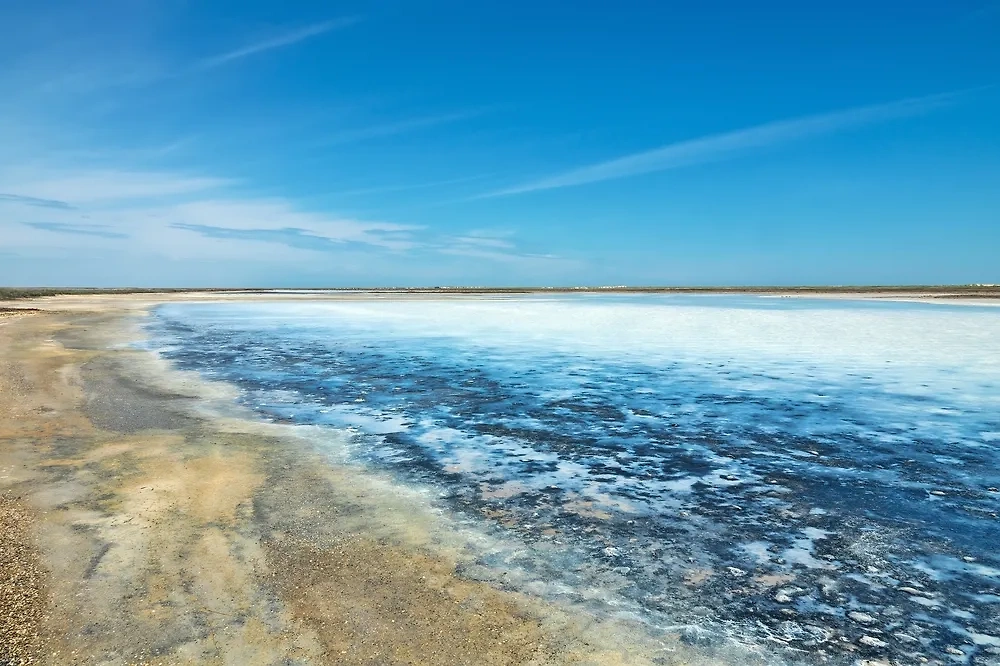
<point x="821" y="476"/>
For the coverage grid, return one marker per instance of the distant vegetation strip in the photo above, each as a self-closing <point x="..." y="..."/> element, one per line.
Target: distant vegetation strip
<point x="11" y="293"/>
<point x="964" y="291"/>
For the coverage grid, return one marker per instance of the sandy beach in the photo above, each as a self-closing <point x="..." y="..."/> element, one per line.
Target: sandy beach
<point x="136" y="531"/>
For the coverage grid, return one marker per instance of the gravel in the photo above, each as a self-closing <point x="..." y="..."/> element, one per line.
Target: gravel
<point x="22" y="590"/>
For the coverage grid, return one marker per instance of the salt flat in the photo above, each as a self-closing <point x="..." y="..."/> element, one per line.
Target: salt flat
<point x="515" y="479"/>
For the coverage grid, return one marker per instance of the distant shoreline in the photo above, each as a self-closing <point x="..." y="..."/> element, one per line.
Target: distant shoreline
<point x="921" y="292"/>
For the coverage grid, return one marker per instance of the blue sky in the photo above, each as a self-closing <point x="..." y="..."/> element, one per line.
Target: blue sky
<point x="403" y="143"/>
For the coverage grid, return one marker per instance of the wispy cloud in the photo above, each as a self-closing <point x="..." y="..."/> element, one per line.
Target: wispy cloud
<point x="98" y="230"/>
<point x="277" y="42"/>
<point x="186" y="217"/>
<point x="393" y="128"/>
<point x="479" y="239"/>
<point x="734" y="144"/>
<point x="66" y="189"/>
<point x="159" y="212"/>
<point x="462" y="250"/>
<point x="491" y="245"/>
<point x="299" y="239"/>
<point x="480" y="242"/>
<point x="34" y="201"/>
<point x="404" y="188"/>
<point x="277" y="221"/>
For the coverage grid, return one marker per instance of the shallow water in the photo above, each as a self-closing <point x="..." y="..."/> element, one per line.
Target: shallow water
<point x="816" y="476"/>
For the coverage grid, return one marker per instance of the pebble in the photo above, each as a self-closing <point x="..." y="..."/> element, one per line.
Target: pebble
<point x="939" y="493"/>
<point x="954" y="651"/>
<point x="782" y="598"/>
<point x="733" y="571"/>
<point x="871" y="641"/>
<point x="862" y="618"/>
<point x="912" y="591"/>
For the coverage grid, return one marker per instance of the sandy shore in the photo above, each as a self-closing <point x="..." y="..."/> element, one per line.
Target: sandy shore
<point x="137" y="529"/>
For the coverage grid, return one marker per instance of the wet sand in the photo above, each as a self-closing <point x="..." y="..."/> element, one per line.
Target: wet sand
<point x="135" y="529"/>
